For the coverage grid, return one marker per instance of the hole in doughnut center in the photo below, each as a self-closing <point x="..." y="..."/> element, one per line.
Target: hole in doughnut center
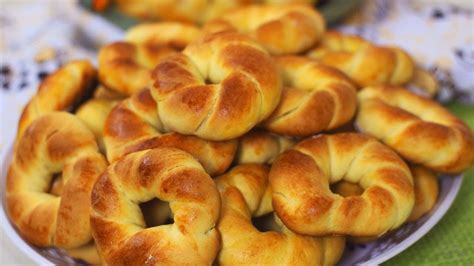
<point x="346" y="189"/>
<point x="55" y="185"/>
<point x="266" y="223"/>
<point x="156" y="212"/>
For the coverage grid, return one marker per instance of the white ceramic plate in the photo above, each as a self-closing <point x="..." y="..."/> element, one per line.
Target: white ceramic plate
<point x="372" y="253"/>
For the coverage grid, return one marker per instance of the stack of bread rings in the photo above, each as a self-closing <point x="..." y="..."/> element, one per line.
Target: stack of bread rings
<point x="258" y="138"/>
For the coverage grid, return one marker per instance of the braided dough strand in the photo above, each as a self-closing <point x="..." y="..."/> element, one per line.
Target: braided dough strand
<point x="220" y="87"/>
<point x="134" y="125"/>
<point x="419" y="129"/>
<point x="300" y="179"/>
<point x="245" y="193"/>
<point x="170" y="175"/>
<point x="55" y="143"/>
<point x="316" y="98"/>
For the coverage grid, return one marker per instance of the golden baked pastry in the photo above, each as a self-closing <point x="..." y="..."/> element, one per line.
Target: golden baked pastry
<point x="425" y="185"/>
<point x="125" y="66"/>
<point x="368" y="64"/>
<point x="102" y="92"/>
<point x="419" y="129"/>
<point x="220" y="87"/>
<point x="260" y="146"/>
<point x="245" y="193"/>
<point x="281" y="29"/>
<point x="300" y="179"/>
<point x="54" y="144"/>
<point x="315" y="98"/>
<point x="93" y="114"/>
<point x="58" y="92"/>
<point x="170" y="175"/>
<point x="135" y="125"/>
<point x="197" y="11"/>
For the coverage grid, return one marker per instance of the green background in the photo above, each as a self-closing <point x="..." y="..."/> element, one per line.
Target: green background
<point x="451" y="241"/>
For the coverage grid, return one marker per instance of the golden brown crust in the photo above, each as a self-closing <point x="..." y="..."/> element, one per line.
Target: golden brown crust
<point x="281" y="29"/>
<point x="260" y="146"/>
<point x="426" y="191"/>
<point x="245" y="193"/>
<point x="300" y="179"/>
<point x="315" y="98"/>
<point x="93" y="114"/>
<point x="58" y="92"/>
<point x="167" y="174"/>
<point x="134" y="125"/>
<point x="196" y="11"/>
<point x="366" y="63"/>
<point x="56" y="142"/>
<point x="125" y="66"/>
<point x="419" y="129"/>
<point x="221" y="86"/>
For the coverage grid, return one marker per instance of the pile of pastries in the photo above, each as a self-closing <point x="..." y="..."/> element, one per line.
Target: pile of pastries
<point x="259" y="138"/>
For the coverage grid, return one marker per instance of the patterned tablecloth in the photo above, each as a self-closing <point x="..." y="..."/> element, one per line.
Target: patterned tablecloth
<point x="36" y="37"/>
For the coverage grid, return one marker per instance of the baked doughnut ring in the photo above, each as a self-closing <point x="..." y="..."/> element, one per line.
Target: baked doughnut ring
<point x="425" y="185"/>
<point x="300" y="179"/>
<point x="93" y="114"/>
<point x="134" y="125"/>
<point x="281" y="29"/>
<point x="220" y="87"/>
<point x="245" y="193"/>
<point x="368" y="64"/>
<point x="167" y="174"/>
<point x="55" y="143"/>
<point x="58" y="92"/>
<point x="125" y="66"/>
<point x="315" y="98"/>
<point x="260" y="146"/>
<point x="419" y="129"/>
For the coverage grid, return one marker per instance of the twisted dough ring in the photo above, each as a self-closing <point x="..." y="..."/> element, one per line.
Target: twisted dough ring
<point x="260" y="146"/>
<point x="134" y="125"/>
<point x="58" y="91"/>
<point x="125" y="66"/>
<point x="219" y="87"/>
<point x="419" y="129"/>
<point x="281" y="29"/>
<point x="55" y="142"/>
<point x="316" y="98"/>
<point x="245" y="193"/>
<point x="168" y="174"/>
<point x="426" y="191"/>
<point x="300" y="179"/>
<point x="368" y="64"/>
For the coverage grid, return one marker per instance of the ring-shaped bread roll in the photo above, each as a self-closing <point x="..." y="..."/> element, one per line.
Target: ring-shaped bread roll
<point x="58" y="92"/>
<point x="55" y="143"/>
<point x="220" y="87"/>
<point x="315" y="98"/>
<point x="134" y="125"/>
<point x="369" y="64"/>
<point x="281" y="29"/>
<point x="170" y="175"/>
<point x="126" y="66"/>
<point x="245" y="193"/>
<point x="419" y="129"/>
<point x="300" y="179"/>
